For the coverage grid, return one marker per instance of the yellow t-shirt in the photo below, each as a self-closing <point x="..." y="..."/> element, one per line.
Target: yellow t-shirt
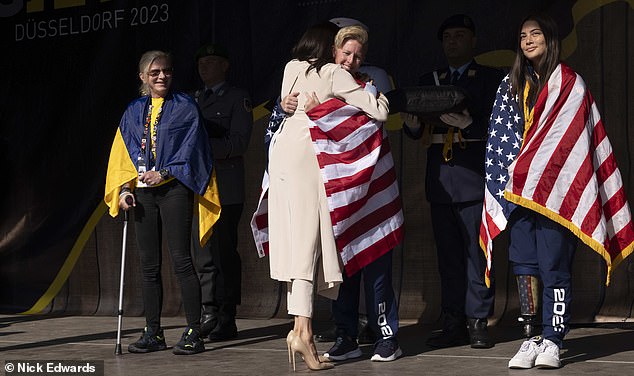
<point x="157" y="104"/>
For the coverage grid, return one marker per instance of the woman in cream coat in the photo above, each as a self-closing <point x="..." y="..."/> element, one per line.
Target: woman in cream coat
<point x="301" y="239"/>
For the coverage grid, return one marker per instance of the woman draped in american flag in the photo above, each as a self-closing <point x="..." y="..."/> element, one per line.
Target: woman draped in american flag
<point x="301" y="239"/>
<point x="550" y="173"/>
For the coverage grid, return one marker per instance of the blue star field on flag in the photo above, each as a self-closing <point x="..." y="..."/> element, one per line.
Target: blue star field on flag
<point x="503" y="144"/>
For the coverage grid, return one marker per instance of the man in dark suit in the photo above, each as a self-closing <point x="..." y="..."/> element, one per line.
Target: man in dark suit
<point x="454" y="185"/>
<point x="228" y="120"/>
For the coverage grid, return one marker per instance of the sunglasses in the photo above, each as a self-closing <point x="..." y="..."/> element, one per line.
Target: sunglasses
<point x="156" y="72"/>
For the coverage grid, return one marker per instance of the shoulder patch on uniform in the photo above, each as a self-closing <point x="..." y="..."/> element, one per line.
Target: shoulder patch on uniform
<point x="247" y="105"/>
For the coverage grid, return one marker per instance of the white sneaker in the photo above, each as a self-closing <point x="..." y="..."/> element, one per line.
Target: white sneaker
<point x="528" y="352"/>
<point x="549" y="355"/>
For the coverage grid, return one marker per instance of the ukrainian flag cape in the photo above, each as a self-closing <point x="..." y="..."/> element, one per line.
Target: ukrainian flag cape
<point x="182" y="148"/>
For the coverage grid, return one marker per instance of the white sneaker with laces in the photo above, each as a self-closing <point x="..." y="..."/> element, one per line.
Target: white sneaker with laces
<point x="549" y="355"/>
<point x="528" y="352"/>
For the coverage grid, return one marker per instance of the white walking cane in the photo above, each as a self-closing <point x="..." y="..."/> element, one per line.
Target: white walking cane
<point x="117" y="349"/>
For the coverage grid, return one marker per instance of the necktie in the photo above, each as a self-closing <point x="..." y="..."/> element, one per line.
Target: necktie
<point x="207" y="94"/>
<point x="455" y="76"/>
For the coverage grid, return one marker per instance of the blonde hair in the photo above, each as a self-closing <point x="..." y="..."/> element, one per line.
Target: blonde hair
<point x="354" y="32"/>
<point x="144" y="65"/>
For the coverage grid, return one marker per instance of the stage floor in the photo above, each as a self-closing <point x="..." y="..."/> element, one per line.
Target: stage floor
<point x="260" y="349"/>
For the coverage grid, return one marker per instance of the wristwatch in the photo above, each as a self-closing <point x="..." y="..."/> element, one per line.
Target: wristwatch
<point x="164" y="173"/>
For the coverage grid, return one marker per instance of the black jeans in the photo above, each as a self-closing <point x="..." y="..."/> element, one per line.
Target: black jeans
<point x="167" y="207"/>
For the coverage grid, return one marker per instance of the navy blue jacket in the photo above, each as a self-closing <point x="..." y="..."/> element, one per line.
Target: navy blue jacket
<point x="229" y="122"/>
<point x="462" y="178"/>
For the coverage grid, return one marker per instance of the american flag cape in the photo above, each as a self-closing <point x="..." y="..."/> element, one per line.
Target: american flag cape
<point x="353" y="153"/>
<point x="564" y="169"/>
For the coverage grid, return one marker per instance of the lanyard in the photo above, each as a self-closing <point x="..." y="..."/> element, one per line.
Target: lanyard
<point x="153" y="130"/>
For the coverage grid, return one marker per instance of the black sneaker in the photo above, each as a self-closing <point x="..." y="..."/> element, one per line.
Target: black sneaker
<point x="190" y="343"/>
<point x="386" y="350"/>
<point x="344" y="348"/>
<point x="148" y="342"/>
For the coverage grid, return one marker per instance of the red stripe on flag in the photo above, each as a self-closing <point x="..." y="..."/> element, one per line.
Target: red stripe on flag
<point x="348" y="126"/>
<point x="621" y="240"/>
<point x="561" y="153"/>
<point x="606" y="169"/>
<point x="493" y="228"/>
<point x="592" y="218"/>
<point x="370" y="220"/>
<point x="525" y="157"/>
<point x="363" y="176"/>
<point x="576" y="188"/>
<point x="615" y="203"/>
<point x="367" y="256"/>
<point x="325" y="108"/>
<point x="377" y="186"/>
<point x="262" y="221"/>
<point x="366" y="147"/>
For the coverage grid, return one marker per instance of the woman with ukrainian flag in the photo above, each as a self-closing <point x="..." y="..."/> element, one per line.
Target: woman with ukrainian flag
<point x="160" y="164"/>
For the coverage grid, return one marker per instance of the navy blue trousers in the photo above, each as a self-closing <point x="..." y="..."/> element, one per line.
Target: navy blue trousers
<point x="219" y="265"/>
<point x="379" y="300"/>
<point x="541" y="247"/>
<point x="461" y="261"/>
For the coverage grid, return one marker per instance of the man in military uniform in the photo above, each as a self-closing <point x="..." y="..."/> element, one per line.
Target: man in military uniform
<point x="454" y="186"/>
<point x="228" y="120"/>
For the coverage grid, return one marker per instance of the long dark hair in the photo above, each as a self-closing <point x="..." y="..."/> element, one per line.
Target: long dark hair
<point x="520" y="73"/>
<point x="315" y="46"/>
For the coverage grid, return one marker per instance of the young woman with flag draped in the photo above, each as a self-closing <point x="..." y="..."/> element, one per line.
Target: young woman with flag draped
<point x="160" y="162"/>
<point x="300" y="231"/>
<point x="552" y="177"/>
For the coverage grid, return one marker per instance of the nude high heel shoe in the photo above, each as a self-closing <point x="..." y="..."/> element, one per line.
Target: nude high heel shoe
<point x="298" y="346"/>
<point x="289" y="338"/>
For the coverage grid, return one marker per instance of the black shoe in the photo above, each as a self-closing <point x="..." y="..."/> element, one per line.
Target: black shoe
<point x="148" y="342"/>
<point x="366" y="335"/>
<point x="224" y="331"/>
<point x="479" y="334"/>
<point x="190" y="343"/>
<point x="386" y="350"/>
<point x="208" y="322"/>
<point x="327" y="336"/>
<point x="344" y="348"/>
<point x="531" y="326"/>
<point x="455" y="336"/>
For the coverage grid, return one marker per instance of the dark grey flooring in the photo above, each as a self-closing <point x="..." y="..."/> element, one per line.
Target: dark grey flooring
<point x="260" y="349"/>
